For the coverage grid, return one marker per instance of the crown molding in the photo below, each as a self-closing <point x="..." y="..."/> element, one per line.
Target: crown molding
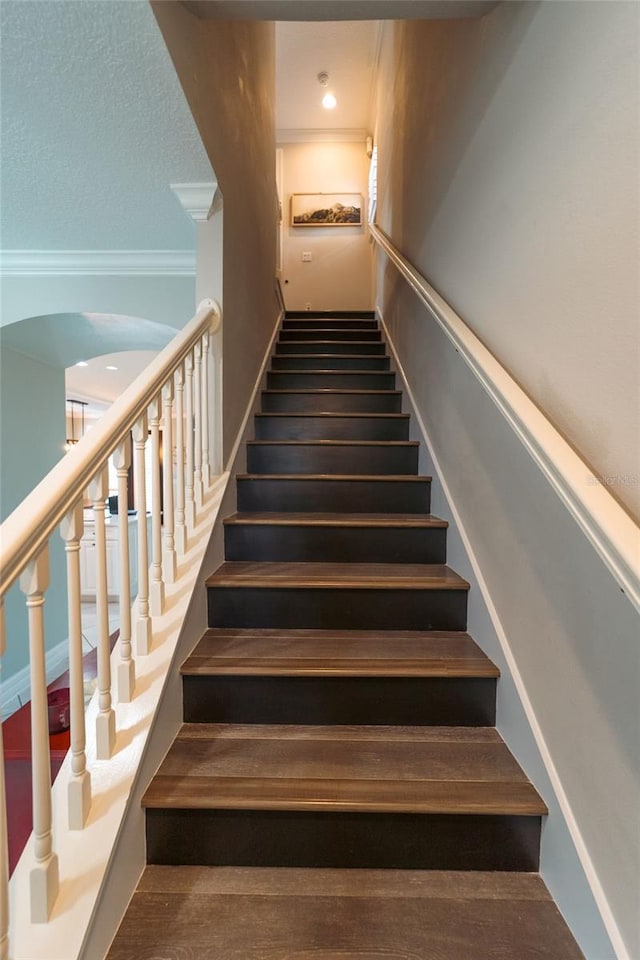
<point x="334" y="135"/>
<point x="98" y="263"/>
<point x="196" y="198"/>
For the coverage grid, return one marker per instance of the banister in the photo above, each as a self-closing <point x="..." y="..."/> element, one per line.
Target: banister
<point x="27" y="529"/>
<point x="609" y="528"/>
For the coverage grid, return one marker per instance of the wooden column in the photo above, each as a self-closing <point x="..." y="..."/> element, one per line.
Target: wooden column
<point x="143" y="625"/>
<point x="169" y="559"/>
<point x="126" y="667"/>
<point x="106" y="719"/>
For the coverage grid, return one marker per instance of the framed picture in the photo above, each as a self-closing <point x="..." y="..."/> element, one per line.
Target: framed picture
<point x="326" y="209"/>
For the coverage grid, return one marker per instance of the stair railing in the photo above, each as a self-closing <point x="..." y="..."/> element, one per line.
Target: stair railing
<point x="57" y="504"/>
<point x="607" y="525"/>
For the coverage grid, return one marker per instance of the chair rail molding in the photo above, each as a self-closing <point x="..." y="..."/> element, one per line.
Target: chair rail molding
<point x="609" y="528"/>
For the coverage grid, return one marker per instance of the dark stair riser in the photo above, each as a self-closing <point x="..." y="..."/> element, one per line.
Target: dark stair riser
<point x="318" y="323"/>
<point x="331" y="428"/>
<point x="330" y="314"/>
<point x="262" y="542"/>
<point x="334" y="347"/>
<point x="337" y="608"/>
<point x="330" y="380"/>
<point x="304" y="458"/>
<point x="349" y="333"/>
<point x="322" y="362"/>
<point x="400" y="701"/>
<point x="349" y="840"/>
<point x="325" y="401"/>
<point x="326" y="495"/>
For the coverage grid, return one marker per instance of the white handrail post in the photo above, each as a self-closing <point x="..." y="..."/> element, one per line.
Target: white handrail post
<point x="190" y="504"/>
<point x="143" y="625"/>
<point x="79" y="789"/>
<point x="197" y="436"/>
<point x="34" y="581"/>
<point x="169" y="561"/>
<point x="4" y="839"/>
<point x="206" y="470"/>
<point x="126" y="675"/>
<point x="156" y="591"/>
<point x="181" y="529"/>
<point x="106" y="719"/>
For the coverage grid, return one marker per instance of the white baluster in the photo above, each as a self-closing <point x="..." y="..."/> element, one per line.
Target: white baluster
<point x="126" y="666"/>
<point x="44" y="875"/>
<point x="169" y="560"/>
<point x="106" y="719"/>
<point x="206" y="469"/>
<point x="4" y="842"/>
<point x="190" y="504"/>
<point x="143" y="625"/>
<point x="197" y="433"/>
<point x="181" y="529"/>
<point x="79" y="789"/>
<point x="156" y="587"/>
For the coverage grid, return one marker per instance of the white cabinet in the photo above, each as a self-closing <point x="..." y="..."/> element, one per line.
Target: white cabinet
<point x="88" y="556"/>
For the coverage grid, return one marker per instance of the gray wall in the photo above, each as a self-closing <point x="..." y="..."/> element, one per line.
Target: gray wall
<point x="227" y="72"/>
<point x="508" y="176"/>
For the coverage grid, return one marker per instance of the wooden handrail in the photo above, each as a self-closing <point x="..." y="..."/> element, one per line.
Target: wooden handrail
<point x="609" y="528"/>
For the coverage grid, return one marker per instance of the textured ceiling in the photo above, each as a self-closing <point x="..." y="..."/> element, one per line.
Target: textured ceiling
<point x="343" y="49"/>
<point x="95" y="127"/>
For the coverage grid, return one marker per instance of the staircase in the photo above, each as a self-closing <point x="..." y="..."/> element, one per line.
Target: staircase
<point x="338" y="789"/>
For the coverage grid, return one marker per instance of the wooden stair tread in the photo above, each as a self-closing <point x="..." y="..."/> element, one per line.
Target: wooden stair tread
<point x="302" y="343"/>
<point x="327" y="914"/>
<point x="333" y="443"/>
<point x="381" y="576"/>
<point x="337" y="653"/>
<point x="321" y="390"/>
<point x="425" y="520"/>
<point x="338" y="773"/>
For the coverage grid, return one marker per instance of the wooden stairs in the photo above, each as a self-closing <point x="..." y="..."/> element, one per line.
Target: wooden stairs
<point x="338" y="790"/>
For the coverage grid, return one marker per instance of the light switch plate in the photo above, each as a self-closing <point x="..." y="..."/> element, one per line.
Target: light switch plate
<point x="306" y="256"/>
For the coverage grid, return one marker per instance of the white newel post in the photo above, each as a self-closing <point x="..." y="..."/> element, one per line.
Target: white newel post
<point x="206" y="469"/>
<point x="79" y="789"/>
<point x="34" y="581"/>
<point x="197" y="431"/>
<point x="4" y="841"/>
<point x="126" y="667"/>
<point x="181" y="529"/>
<point x="106" y="719"/>
<point x="190" y="504"/>
<point x="169" y="560"/>
<point x="156" y="587"/>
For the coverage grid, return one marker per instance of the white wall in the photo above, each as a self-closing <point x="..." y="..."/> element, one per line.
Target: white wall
<point x="508" y="152"/>
<point x="339" y="275"/>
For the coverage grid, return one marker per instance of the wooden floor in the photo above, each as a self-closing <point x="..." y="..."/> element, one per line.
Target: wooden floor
<point x="223" y="913"/>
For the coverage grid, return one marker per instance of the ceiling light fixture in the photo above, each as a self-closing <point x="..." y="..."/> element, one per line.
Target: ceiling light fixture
<point x="329" y="101"/>
<point x="110" y="366"/>
<point x="82" y="363"/>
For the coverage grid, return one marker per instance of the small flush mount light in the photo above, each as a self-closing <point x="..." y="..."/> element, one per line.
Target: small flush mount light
<point x="110" y="366"/>
<point x="82" y="363"/>
<point x="329" y="101"/>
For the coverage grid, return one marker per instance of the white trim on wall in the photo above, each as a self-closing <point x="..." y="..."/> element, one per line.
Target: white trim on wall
<point x="318" y="135"/>
<point x="98" y="263"/>
<point x="196" y="198"/>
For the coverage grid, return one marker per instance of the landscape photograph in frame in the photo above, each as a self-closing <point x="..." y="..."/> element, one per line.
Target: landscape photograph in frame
<point x="326" y="209"/>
